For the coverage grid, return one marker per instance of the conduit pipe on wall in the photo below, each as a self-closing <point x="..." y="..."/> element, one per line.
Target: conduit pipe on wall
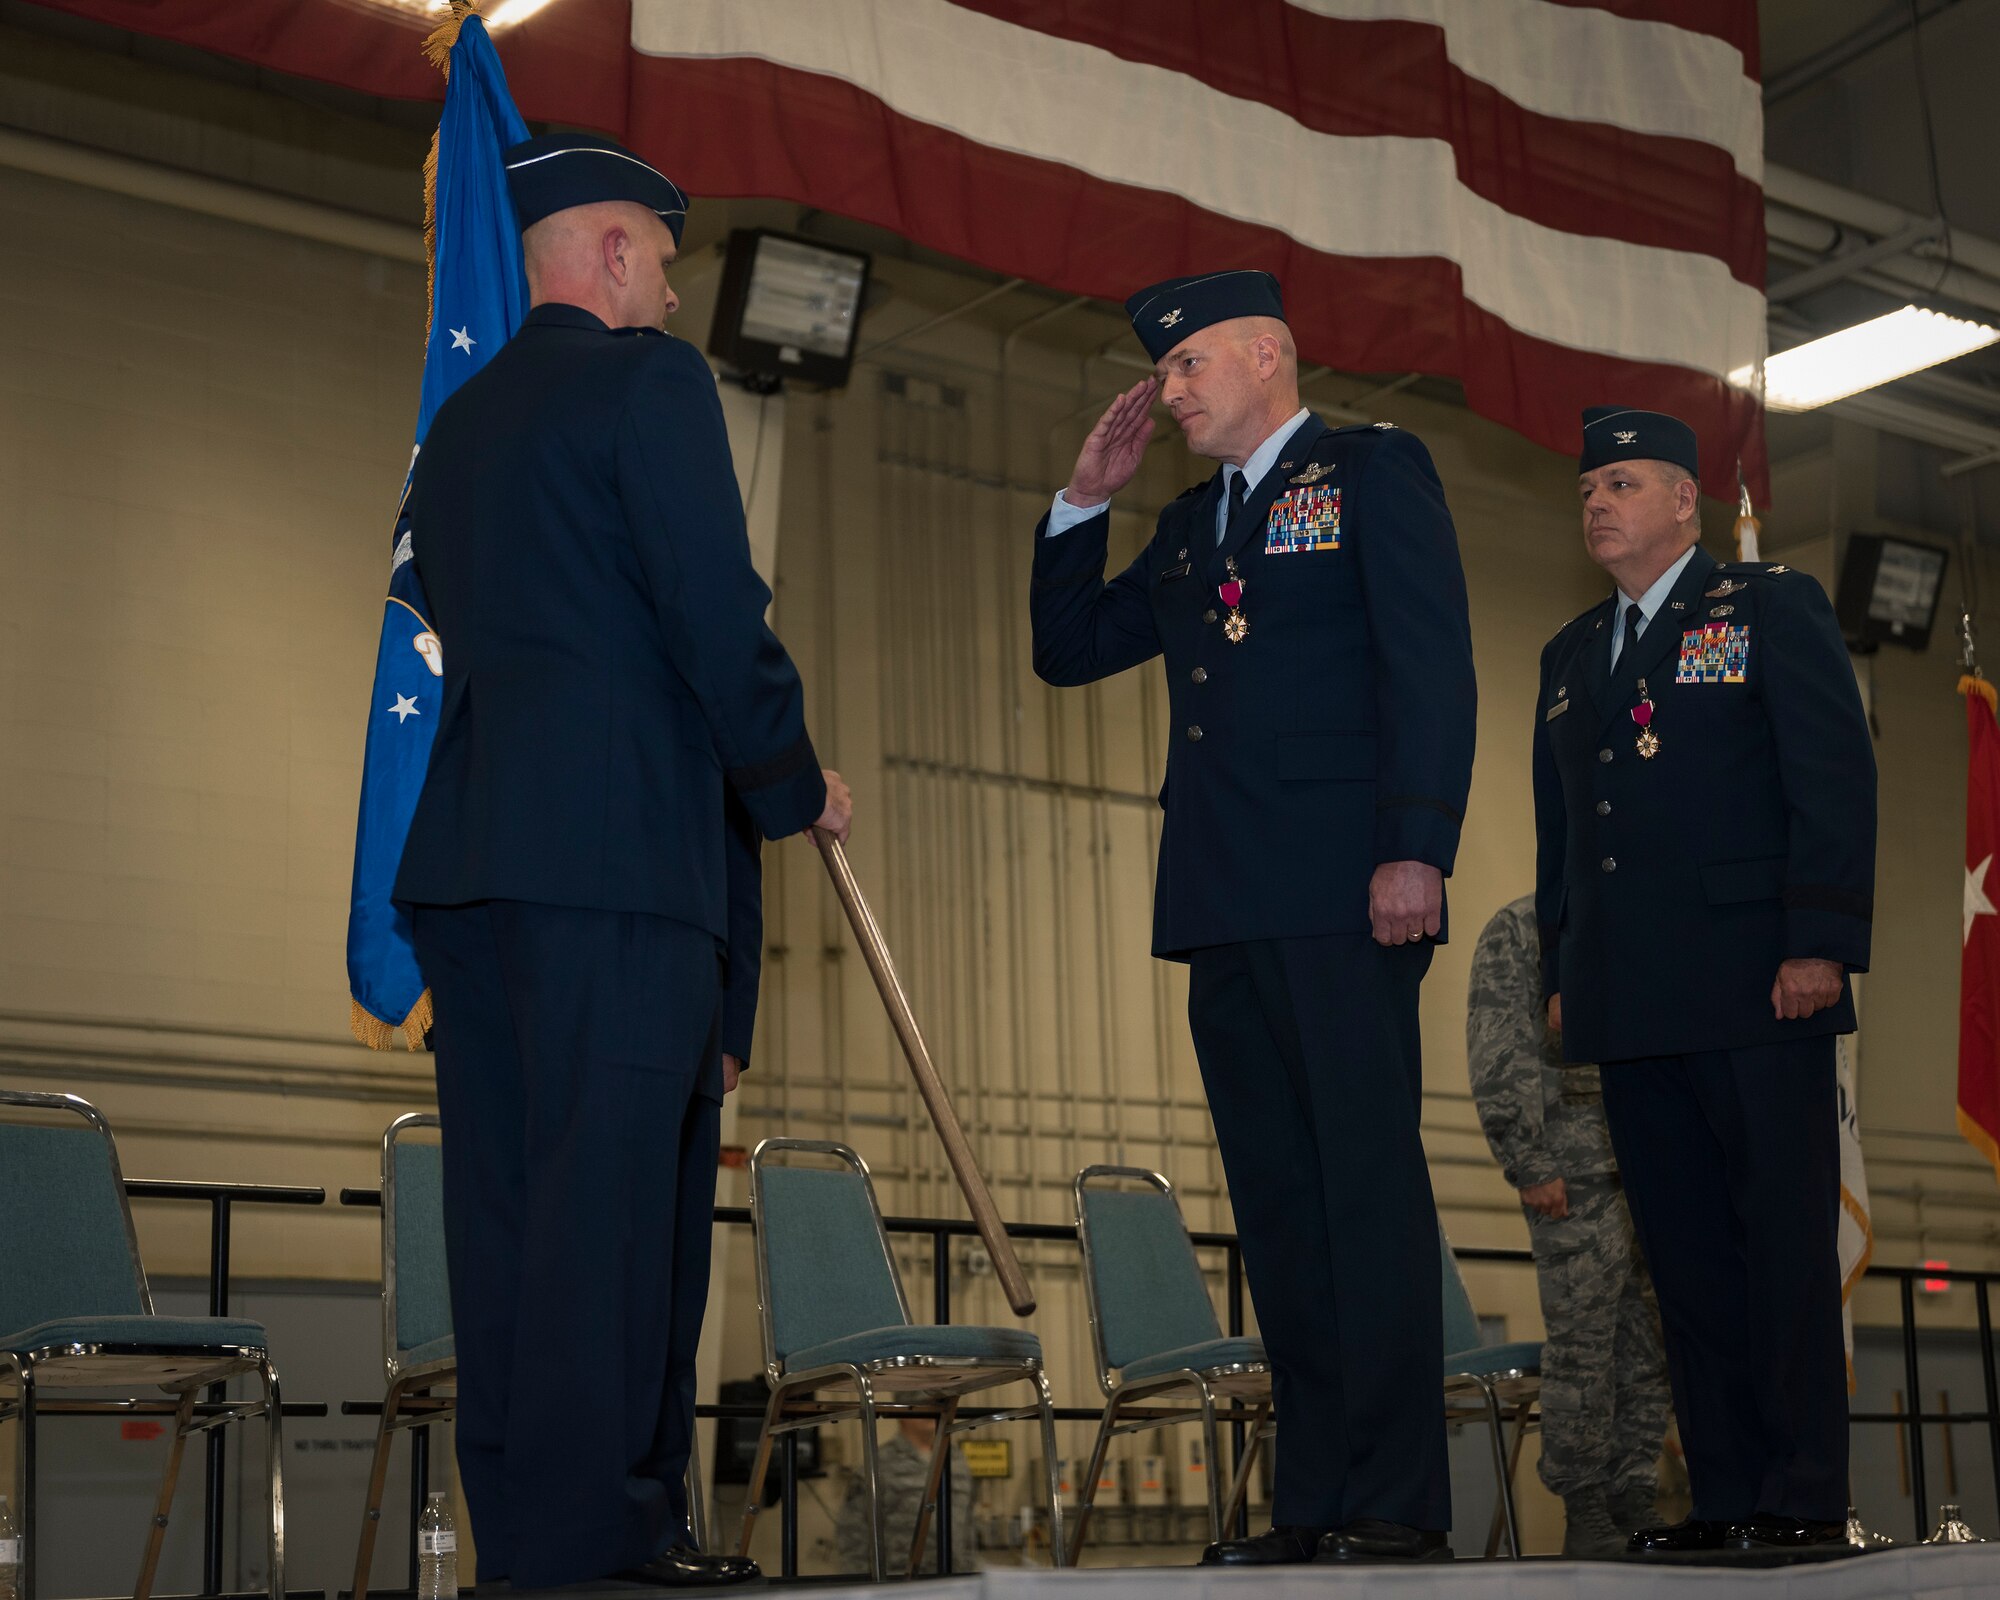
<point x="211" y="197"/>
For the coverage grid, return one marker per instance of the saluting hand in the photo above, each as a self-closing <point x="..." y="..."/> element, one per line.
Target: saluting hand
<point x="1804" y="985"/>
<point x="1111" y="455"/>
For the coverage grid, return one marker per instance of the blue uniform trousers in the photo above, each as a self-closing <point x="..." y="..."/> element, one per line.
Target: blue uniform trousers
<point x="578" y="1067"/>
<point x="1731" y="1161"/>
<point x="1312" y="1059"/>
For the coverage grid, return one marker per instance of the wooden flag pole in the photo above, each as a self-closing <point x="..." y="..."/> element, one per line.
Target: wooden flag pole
<point x="964" y="1165"/>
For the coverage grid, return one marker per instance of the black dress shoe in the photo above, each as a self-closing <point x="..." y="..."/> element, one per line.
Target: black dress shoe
<point x="1371" y="1539"/>
<point x="683" y="1568"/>
<point x="1788" y="1538"/>
<point x="1693" y="1537"/>
<point x="1281" y="1547"/>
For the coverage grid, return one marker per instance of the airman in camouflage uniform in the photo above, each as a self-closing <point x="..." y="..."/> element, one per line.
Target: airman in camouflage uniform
<point x="1604" y="1371"/>
<point x="903" y="1464"/>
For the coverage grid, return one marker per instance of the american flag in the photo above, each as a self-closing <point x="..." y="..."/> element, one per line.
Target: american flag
<point x="1556" y="202"/>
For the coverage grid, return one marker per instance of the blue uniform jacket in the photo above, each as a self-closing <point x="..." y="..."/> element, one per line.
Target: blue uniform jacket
<point x="1338" y="734"/>
<point x="620" y="729"/>
<point x="1669" y="890"/>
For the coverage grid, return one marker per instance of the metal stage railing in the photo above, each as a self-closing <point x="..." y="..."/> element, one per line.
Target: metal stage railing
<point x="941" y="1231"/>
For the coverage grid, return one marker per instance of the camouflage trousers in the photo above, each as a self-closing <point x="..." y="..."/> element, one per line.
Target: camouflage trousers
<point x="1605" y="1401"/>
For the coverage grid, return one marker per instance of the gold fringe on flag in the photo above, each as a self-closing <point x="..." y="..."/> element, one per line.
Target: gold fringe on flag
<point x="1972" y="683"/>
<point x="437" y="51"/>
<point x="372" y="1031"/>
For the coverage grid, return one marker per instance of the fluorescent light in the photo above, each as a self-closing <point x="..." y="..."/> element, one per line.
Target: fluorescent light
<point x="510" y="12"/>
<point x="1863" y="356"/>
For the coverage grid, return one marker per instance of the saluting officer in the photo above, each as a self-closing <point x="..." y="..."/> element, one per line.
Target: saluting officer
<point x="619" y="728"/>
<point x="1705" y="812"/>
<point x="1309" y="603"/>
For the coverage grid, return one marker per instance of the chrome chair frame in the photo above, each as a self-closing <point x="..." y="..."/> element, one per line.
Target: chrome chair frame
<point x="182" y="1370"/>
<point x="1491" y="1396"/>
<point x="931" y="1386"/>
<point x="1245" y="1386"/>
<point x="412" y="1400"/>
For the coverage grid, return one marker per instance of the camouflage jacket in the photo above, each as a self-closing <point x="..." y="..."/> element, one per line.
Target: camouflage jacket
<point x="1543" y="1119"/>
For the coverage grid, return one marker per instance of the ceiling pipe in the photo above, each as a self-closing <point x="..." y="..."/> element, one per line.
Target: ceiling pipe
<point x="1877" y="218"/>
<point x="1890" y="24"/>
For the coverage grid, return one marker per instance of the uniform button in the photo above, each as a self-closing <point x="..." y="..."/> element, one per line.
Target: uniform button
<point x="1609" y="864"/>
<point x="1604" y="756"/>
<point x="1194" y="734"/>
<point x="1208" y="615"/>
<point x="1604" y="808"/>
<point x="1201" y="674"/>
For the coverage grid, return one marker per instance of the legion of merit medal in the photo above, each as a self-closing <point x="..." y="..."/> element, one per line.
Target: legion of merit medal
<point x="1236" y="625"/>
<point x="1648" y="742"/>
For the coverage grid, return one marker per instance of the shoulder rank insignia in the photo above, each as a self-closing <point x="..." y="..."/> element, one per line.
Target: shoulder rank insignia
<point x="1385" y="426"/>
<point x="1313" y="473"/>
<point x="1774" y="571"/>
<point x="1724" y="589"/>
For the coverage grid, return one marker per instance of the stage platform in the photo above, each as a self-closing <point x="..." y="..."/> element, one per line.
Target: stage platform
<point x="1921" y="1572"/>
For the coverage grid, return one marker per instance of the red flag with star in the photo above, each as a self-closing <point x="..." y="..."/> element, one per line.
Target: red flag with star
<point x="1979" y="964"/>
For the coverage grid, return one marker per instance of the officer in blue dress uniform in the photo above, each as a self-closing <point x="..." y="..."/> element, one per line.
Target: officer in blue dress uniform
<point x="619" y="731"/>
<point x="1705" y="818"/>
<point x="1311" y="610"/>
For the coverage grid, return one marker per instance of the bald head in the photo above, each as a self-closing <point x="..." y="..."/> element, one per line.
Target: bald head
<point x="609" y="258"/>
<point x="1231" y="385"/>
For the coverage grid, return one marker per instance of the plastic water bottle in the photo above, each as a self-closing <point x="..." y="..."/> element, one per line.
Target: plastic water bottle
<point x="10" y="1554"/>
<point x="437" y="1551"/>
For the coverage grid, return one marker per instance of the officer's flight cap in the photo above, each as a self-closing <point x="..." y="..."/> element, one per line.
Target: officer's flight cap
<point x="1167" y="313"/>
<point x="1618" y="433"/>
<point x="555" y="171"/>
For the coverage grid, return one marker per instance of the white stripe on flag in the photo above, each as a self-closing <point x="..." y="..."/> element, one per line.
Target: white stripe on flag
<point x="1015" y="89"/>
<point x="1585" y="65"/>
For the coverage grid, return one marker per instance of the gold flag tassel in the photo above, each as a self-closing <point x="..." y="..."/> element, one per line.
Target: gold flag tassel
<point x="437" y="51"/>
<point x="1747" y="525"/>
<point x="372" y="1031"/>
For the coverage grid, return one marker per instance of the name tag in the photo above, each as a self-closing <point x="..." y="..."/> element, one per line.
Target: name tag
<point x="1180" y="571"/>
<point x="1555" y="711"/>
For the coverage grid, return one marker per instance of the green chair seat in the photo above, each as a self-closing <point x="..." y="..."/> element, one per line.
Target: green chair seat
<point x="1002" y="1346"/>
<point x="177" y="1333"/>
<point x="445" y="1349"/>
<point x="1210" y="1353"/>
<point x="1524" y="1355"/>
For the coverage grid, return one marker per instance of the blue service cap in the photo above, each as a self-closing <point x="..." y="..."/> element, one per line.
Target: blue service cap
<point x="1618" y="433"/>
<point x="1167" y="313"/>
<point x="555" y="171"/>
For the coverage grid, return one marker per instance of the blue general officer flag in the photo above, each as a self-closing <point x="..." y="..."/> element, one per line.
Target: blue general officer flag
<point x="479" y="294"/>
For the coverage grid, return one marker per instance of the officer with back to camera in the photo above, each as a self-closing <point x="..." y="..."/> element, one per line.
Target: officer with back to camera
<point x="619" y="731"/>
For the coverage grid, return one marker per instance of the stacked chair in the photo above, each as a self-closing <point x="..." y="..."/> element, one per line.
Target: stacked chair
<point x="76" y="1313"/>
<point x="1161" y="1355"/>
<point x="839" y="1343"/>
<point x="1485" y="1383"/>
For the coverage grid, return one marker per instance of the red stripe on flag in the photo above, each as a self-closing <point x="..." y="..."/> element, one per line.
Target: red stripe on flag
<point x="836" y="146"/>
<point x="1394" y="79"/>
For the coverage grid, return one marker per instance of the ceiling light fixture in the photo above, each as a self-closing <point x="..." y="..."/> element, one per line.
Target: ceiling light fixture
<point x="1861" y="357"/>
